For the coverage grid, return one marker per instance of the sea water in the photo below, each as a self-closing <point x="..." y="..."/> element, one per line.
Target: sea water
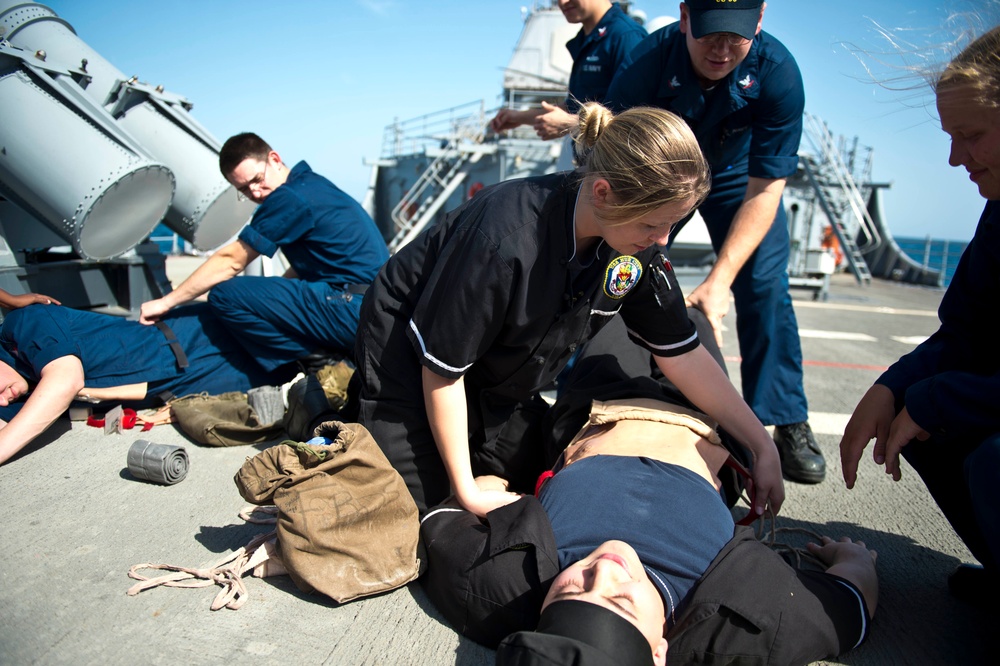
<point x="937" y="253"/>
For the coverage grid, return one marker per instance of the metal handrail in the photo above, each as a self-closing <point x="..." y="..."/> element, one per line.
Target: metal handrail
<point x="409" y="136"/>
<point x="821" y="138"/>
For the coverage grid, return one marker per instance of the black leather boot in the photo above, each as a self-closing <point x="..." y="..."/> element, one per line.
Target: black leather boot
<point x="801" y="458"/>
<point x="313" y="363"/>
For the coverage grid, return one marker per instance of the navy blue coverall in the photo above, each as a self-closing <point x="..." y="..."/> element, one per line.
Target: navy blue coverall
<point x="334" y="248"/>
<point x="748" y="125"/>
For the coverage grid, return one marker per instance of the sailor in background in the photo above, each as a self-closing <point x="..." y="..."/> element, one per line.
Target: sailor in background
<point x="465" y="325"/>
<point x="332" y="245"/>
<point x="606" y="36"/>
<point x="938" y="405"/>
<point x="741" y="92"/>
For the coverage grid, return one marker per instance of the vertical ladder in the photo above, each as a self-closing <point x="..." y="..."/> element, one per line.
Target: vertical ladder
<point x="855" y="260"/>
<point x="437" y="191"/>
<point x="839" y="197"/>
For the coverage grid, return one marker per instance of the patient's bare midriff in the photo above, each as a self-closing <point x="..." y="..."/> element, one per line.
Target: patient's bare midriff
<point x="667" y="442"/>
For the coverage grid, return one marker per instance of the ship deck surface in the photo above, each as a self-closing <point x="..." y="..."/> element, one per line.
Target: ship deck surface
<point x="75" y="521"/>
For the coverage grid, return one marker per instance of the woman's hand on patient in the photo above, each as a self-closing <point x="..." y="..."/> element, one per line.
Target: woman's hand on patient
<point x="492" y="482"/>
<point x="481" y="501"/>
<point x="768" y="486"/>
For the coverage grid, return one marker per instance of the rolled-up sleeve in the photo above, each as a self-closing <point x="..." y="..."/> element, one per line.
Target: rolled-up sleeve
<point x="282" y="219"/>
<point x="777" y="124"/>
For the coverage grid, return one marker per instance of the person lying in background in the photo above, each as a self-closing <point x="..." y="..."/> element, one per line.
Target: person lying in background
<point x="52" y="355"/>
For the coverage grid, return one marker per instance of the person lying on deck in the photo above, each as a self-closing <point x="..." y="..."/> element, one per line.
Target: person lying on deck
<point x="630" y="547"/>
<point x="52" y="355"/>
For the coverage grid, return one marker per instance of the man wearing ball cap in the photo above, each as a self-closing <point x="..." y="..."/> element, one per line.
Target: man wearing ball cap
<point x="741" y="17"/>
<point x="741" y="92"/>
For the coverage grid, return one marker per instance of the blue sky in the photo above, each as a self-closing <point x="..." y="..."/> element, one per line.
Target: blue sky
<point x="320" y="80"/>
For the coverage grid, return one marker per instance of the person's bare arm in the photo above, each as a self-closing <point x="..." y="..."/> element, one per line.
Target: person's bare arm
<point x="703" y="382"/>
<point x="10" y="301"/>
<point x="752" y="221"/>
<point x="852" y="561"/>
<point x="508" y="119"/>
<point x="447" y="414"/>
<point x="61" y="379"/>
<point x="554" y="122"/>
<point x="226" y="263"/>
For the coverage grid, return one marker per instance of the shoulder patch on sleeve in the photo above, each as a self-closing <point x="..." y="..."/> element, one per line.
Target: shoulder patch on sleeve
<point x="621" y="276"/>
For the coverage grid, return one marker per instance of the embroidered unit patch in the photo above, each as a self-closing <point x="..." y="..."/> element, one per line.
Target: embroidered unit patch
<point x="623" y="273"/>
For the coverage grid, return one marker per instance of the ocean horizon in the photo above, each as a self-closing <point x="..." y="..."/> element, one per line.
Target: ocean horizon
<point x="936" y="253"/>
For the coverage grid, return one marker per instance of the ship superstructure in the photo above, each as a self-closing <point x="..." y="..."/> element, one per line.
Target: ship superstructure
<point x="431" y="164"/>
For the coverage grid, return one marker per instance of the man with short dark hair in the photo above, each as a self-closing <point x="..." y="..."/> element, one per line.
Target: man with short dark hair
<point x="741" y="92"/>
<point x="334" y="250"/>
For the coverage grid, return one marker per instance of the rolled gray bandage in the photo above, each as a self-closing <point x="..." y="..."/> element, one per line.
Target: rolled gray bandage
<point x="159" y="463"/>
<point x="267" y="402"/>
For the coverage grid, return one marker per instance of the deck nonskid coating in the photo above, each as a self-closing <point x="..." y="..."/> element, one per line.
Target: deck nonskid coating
<point x="74" y="522"/>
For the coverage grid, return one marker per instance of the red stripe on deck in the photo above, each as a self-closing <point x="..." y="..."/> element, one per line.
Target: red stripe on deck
<point x="825" y="364"/>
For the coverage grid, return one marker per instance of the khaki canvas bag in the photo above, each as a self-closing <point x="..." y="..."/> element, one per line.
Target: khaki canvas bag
<point x="222" y="420"/>
<point x="347" y="526"/>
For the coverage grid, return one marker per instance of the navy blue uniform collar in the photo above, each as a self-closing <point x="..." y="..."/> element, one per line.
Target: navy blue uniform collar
<point x="682" y="85"/>
<point x="301" y="168"/>
<point x="600" y="31"/>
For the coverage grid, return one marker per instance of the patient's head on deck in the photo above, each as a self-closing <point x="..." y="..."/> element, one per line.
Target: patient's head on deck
<point x="13" y="386"/>
<point x="604" y="603"/>
<point x="968" y="101"/>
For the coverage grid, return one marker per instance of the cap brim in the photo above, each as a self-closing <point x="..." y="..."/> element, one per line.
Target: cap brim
<point x="742" y="22"/>
<point x="577" y="632"/>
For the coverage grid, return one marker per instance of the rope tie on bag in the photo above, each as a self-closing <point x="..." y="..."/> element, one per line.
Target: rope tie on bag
<point x="227" y="572"/>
